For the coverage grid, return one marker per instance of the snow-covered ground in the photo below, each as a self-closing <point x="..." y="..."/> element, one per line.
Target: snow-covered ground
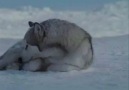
<point x="108" y="72"/>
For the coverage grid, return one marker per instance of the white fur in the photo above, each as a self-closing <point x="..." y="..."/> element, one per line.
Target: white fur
<point x="74" y="61"/>
<point x="12" y="54"/>
<point x="76" y="41"/>
<point x="32" y="52"/>
<point x="55" y="56"/>
<point x="33" y="65"/>
<point x="29" y="53"/>
<point x="31" y="56"/>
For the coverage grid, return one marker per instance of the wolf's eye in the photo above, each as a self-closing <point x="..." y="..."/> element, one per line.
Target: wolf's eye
<point x="26" y="47"/>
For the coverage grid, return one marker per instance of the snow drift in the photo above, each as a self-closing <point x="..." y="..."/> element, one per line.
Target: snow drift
<point x="110" y="20"/>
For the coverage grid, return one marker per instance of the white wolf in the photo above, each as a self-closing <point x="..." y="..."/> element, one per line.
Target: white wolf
<point x="72" y="39"/>
<point x="22" y="56"/>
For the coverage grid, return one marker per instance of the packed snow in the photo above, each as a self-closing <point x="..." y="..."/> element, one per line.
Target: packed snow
<point x="109" y="70"/>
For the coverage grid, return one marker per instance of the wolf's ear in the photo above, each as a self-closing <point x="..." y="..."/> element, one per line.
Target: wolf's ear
<point x="31" y="23"/>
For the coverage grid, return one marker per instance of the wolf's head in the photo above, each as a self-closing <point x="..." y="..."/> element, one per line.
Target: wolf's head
<point x="35" y="35"/>
<point x="29" y="52"/>
<point x="13" y="53"/>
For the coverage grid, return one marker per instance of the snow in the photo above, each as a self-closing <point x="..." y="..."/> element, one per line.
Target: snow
<point x="109" y="70"/>
<point x="110" y="20"/>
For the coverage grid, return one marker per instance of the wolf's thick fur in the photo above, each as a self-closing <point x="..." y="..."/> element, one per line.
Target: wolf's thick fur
<point x="70" y="37"/>
<point x="34" y="60"/>
<point x="22" y="56"/>
<point x="12" y="54"/>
